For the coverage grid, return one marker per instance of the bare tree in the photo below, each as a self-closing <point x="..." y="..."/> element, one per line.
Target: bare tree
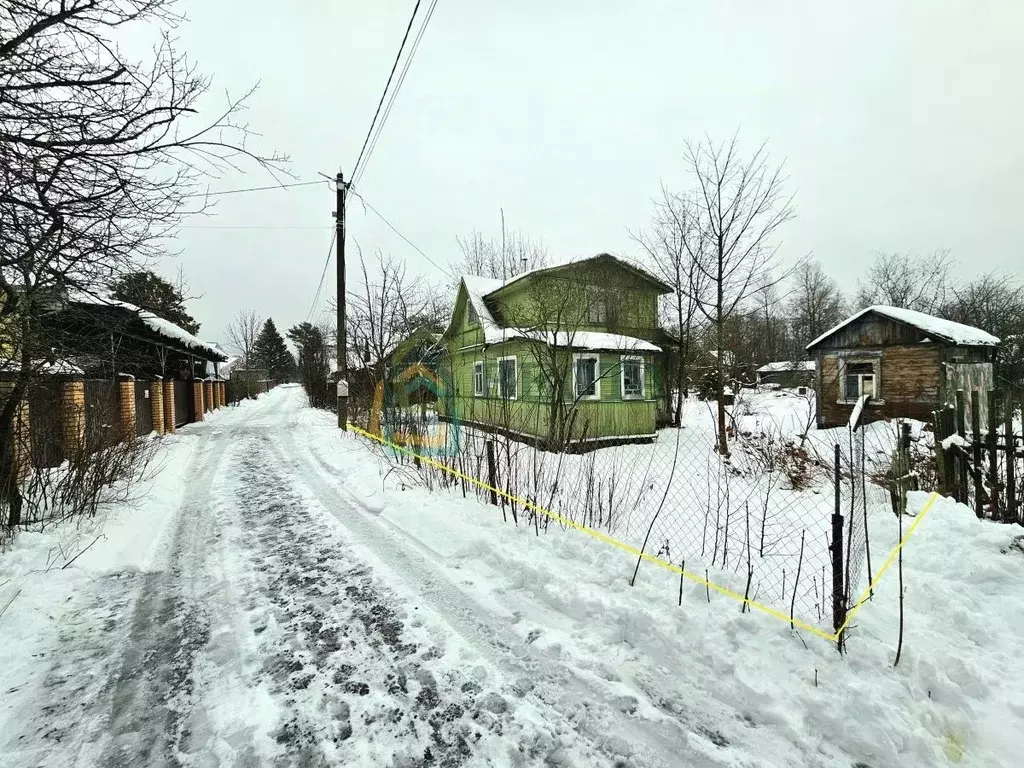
<point x="994" y="302"/>
<point x="669" y="246"/>
<point x="816" y="305"/>
<point x="97" y="164"/>
<point x="500" y="258"/>
<point x="737" y="208"/>
<point x="243" y="331"/>
<point x="907" y="281"/>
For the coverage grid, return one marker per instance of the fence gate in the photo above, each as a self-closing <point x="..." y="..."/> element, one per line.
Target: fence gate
<point x="143" y="409"/>
<point x="44" y="418"/>
<point x="102" y="414"/>
<point x="182" y="402"/>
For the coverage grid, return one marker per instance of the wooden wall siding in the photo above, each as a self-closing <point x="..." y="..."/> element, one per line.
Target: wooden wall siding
<point x="910" y="385"/>
<point x="872" y="331"/>
<point x="911" y="374"/>
<point x="529" y="412"/>
<point x="633" y="304"/>
<point x="968" y="376"/>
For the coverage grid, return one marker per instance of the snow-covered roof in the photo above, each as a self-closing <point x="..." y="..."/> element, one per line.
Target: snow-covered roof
<point x="787" y="365"/>
<point x="158" y="325"/>
<point x="943" y="330"/>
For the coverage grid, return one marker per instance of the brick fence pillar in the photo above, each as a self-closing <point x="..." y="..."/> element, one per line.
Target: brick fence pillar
<point x="169" y="416"/>
<point x="220" y="394"/>
<point x="72" y="416"/>
<point x="208" y="396"/>
<point x="126" y="396"/>
<point x="156" y="397"/>
<point x="197" y="400"/>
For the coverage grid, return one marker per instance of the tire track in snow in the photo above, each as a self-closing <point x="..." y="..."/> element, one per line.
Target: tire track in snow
<point x="360" y="678"/>
<point x="588" y="705"/>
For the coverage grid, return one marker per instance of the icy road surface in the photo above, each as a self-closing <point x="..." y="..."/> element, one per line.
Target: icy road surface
<point x="286" y="624"/>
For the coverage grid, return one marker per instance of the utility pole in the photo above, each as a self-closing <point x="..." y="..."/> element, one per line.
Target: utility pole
<point x="339" y="216"/>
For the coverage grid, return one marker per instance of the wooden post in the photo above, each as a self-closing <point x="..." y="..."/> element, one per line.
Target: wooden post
<point x="961" y="462"/>
<point x="979" y="502"/>
<point x="838" y="607"/>
<point x="992" y="443"/>
<point x="492" y="474"/>
<point x="1011" y="458"/>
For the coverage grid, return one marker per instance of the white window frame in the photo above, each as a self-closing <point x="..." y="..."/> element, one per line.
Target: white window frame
<point x="515" y="360"/>
<point x="623" y="359"/>
<point x="876" y="373"/>
<point x="479" y="385"/>
<point x="596" y="357"/>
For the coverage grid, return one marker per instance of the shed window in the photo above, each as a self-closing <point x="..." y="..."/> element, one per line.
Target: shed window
<point x="478" y="378"/>
<point x="860" y="378"/>
<point x="632" y="378"/>
<point x="507" y="377"/>
<point x="586" y="373"/>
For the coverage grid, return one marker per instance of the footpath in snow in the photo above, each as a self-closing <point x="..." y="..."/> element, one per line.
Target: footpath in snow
<point x="282" y="596"/>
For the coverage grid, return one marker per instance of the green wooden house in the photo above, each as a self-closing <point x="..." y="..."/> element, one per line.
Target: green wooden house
<point x="571" y="356"/>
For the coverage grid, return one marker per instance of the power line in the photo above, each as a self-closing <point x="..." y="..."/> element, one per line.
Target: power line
<point x="406" y="239"/>
<point x="323" y="274"/>
<point x="358" y="173"/>
<point x="386" y="86"/>
<point x="252" y="226"/>
<point x="255" y="189"/>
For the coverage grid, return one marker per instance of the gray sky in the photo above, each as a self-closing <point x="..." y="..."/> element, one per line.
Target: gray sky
<point x="899" y="122"/>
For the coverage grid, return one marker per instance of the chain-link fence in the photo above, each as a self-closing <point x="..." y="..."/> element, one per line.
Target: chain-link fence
<point x="780" y="519"/>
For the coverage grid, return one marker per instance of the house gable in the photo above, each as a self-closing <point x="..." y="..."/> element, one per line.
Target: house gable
<point x="598" y="294"/>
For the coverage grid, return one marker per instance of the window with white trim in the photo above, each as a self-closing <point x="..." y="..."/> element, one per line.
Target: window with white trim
<point x="586" y="377"/>
<point x="632" y="378"/>
<point x="478" y="378"/>
<point x="507" y="375"/>
<point x="860" y="377"/>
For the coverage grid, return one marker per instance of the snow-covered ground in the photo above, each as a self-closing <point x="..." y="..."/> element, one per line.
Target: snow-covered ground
<point x="773" y="500"/>
<point x="286" y="596"/>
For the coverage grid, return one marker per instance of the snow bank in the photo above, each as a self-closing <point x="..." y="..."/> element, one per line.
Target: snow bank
<point x="757" y="694"/>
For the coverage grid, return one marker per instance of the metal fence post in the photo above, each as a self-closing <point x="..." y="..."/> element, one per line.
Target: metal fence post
<point x="838" y="591"/>
<point x="979" y="503"/>
<point x="1011" y="459"/>
<point x="492" y="473"/>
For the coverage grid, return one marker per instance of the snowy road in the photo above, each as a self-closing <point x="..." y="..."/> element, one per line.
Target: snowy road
<point x="287" y="624"/>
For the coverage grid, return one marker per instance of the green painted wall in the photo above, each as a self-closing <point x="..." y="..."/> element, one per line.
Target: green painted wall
<point x="529" y="413"/>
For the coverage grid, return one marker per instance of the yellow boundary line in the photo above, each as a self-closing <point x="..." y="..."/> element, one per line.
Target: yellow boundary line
<point x="865" y="596"/>
<point x="671" y="567"/>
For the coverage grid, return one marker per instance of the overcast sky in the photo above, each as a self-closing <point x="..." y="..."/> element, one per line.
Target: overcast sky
<point x="899" y="122"/>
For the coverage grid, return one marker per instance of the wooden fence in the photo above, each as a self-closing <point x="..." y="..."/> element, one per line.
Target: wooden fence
<point x="982" y="465"/>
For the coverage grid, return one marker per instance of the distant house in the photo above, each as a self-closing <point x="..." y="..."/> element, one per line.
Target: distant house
<point x="104" y="337"/>
<point x="787" y="373"/>
<point x="908" y="364"/>
<point x="570" y="355"/>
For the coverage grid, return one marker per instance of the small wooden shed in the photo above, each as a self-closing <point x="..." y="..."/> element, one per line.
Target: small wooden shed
<point x="908" y="363"/>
